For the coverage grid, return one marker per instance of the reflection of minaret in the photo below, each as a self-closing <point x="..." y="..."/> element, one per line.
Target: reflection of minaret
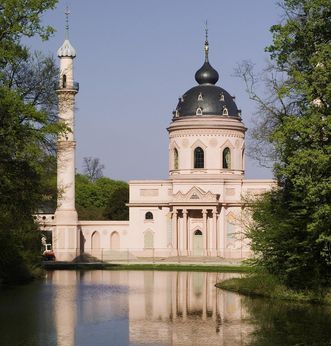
<point x="65" y="309"/>
<point x="66" y="235"/>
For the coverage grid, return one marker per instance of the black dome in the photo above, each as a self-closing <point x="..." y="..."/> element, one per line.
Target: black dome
<point x="206" y="99"/>
<point x="210" y="99"/>
<point x="206" y="74"/>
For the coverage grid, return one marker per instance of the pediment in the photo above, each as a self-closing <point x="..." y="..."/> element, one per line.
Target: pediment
<point x="195" y="194"/>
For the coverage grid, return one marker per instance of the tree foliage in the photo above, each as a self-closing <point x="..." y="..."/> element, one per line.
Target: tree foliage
<point x="116" y="207"/>
<point x="94" y="199"/>
<point x="27" y="134"/>
<point x="292" y="230"/>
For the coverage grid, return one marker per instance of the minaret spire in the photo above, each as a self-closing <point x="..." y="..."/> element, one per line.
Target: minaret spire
<point x="206" y="42"/>
<point x="66" y="50"/>
<point x="67" y="12"/>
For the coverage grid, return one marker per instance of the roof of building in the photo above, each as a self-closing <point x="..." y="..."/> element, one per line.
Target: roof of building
<point x="206" y="99"/>
<point x="66" y="50"/>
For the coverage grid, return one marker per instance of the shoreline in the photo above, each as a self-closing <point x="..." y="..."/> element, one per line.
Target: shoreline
<point x="210" y="267"/>
<point x="266" y="286"/>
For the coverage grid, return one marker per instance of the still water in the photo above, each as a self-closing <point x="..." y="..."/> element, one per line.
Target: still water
<point x="151" y="308"/>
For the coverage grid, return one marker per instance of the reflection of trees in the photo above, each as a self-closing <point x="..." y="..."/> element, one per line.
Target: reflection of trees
<point x="284" y="323"/>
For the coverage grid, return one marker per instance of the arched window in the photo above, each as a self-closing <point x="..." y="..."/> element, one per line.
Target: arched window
<point x="148" y="216"/>
<point x="148" y="240"/>
<point x="175" y="158"/>
<point x="225" y="111"/>
<point x="95" y="240"/>
<point x="197" y="232"/>
<point x="64" y="81"/>
<point x="115" y="240"/>
<point x="226" y="158"/>
<point x="199" y="158"/>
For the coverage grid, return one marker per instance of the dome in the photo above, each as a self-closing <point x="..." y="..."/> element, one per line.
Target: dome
<point x="206" y="99"/>
<point x="206" y="74"/>
<point x="66" y="50"/>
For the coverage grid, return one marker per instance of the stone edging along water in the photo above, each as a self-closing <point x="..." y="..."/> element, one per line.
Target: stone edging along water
<point x="210" y="267"/>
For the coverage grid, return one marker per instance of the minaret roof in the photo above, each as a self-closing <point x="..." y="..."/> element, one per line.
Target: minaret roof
<point x="66" y="50"/>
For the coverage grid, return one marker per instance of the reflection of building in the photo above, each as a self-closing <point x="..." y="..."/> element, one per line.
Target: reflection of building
<point x="147" y="307"/>
<point x="197" y="211"/>
<point x="178" y="307"/>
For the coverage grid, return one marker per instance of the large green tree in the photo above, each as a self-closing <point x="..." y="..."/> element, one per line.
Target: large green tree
<point x="101" y="199"/>
<point x="27" y="133"/>
<point x="291" y="233"/>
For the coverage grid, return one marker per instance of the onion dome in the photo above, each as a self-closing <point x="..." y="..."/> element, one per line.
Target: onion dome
<point x="66" y="50"/>
<point x="206" y="74"/>
<point x="206" y="99"/>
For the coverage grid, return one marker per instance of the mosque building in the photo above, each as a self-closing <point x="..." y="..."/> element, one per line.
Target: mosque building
<point x="198" y="211"/>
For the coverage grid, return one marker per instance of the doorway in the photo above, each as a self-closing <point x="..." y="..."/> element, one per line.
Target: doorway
<point x="197" y="243"/>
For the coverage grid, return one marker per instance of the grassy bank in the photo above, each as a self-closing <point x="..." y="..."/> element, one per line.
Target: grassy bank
<point x="265" y="285"/>
<point x="151" y="266"/>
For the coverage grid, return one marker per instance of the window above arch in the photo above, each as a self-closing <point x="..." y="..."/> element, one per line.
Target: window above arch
<point x="176" y="161"/>
<point x="199" y="158"/>
<point x="226" y="158"/>
<point x="149" y="216"/>
<point x="198" y="111"/>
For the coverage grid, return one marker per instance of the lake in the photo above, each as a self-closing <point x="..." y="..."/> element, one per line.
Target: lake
<point x="151" y="308"/>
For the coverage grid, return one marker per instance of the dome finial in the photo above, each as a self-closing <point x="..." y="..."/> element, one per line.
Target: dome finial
<point x="67" y="12"/>
<point x="206" y="41"/>
<point x="206" y="74"/>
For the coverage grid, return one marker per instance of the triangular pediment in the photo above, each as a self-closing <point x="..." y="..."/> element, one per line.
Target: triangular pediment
<point x="195" y="194"/>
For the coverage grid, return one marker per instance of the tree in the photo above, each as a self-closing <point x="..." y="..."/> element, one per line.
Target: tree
<point x="27" y="134"/>
<point x="116" y="208"/>
<point x="93" y="198"/>
<point x="93" y="168"/>
<point x="291" y="233"/>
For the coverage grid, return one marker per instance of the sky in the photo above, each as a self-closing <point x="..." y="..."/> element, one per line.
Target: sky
<point x="135" y="58"/>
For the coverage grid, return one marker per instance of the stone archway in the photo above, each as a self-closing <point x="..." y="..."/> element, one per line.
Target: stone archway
<point x="197" y="243"/>
<point x="95" y="244"/>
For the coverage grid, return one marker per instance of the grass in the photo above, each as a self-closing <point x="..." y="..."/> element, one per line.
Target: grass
<point x="265" y="285"/>
<point x="137" y="266"/>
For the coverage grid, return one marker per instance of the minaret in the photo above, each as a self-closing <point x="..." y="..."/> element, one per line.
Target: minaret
<point x="66" y="238"/>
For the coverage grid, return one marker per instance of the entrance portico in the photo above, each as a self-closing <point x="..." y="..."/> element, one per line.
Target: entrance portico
<point x="193" y="213"/>
<point x="186" y="221"/>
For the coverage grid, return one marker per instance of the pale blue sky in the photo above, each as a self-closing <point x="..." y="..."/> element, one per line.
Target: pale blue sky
<point x="135" y="58"/>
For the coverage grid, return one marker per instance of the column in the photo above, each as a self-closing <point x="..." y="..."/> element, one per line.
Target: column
<point x="214" y="236"/>
<point x="174" y="229"/>
<point x="204" y="216"/>
<point x="185" y="232"/>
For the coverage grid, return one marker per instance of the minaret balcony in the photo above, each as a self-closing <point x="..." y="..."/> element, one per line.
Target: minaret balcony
<point x="65" y="86"/>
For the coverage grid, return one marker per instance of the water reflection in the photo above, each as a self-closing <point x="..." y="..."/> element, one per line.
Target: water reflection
<point x="151" y="308"/>
<point x="285" y="323"/>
